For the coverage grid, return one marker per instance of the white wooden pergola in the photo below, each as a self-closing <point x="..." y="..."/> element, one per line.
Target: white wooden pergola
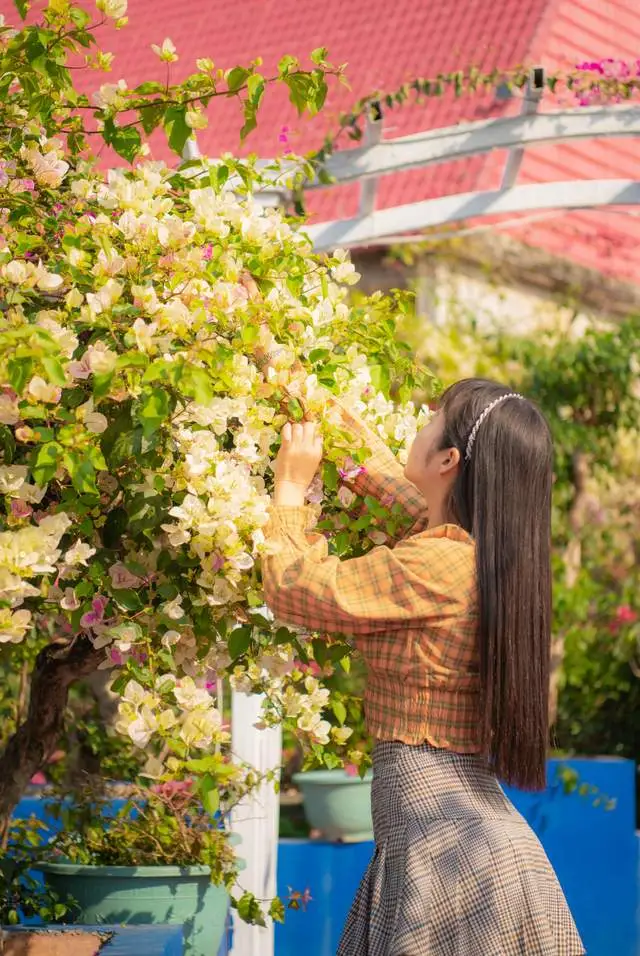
<point x="256" y="821"/>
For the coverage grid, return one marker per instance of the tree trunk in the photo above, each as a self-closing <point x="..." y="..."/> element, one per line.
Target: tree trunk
<point x="57" y="667"/>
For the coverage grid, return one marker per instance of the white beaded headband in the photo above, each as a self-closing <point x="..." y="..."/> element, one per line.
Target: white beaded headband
<point x="481" y="418"/>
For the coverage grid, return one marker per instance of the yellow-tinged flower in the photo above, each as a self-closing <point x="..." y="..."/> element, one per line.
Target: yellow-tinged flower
<point x="43" y="391"/>
<point x="48" y="169"/>
<point x="13" y="625"/>
<point x="196" y="119"/>
<point x="166" y="52"/>
<point x="114" y="9"/>
<point x="17" y="271"/>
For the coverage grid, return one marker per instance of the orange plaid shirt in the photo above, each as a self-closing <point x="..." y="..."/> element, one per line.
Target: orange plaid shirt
<point x="410" y="609"/>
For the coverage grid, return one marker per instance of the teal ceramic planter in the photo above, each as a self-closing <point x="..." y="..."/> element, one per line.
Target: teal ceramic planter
<point x="139" y="895"/>
<point x="338" y="804"/>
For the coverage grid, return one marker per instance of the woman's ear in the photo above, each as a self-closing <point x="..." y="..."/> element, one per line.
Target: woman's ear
<point x="450" y="459"/>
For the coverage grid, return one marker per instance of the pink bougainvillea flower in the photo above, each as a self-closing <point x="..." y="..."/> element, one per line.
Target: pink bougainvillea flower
<point x="20" y="509"/>
<point x="350" y="470"/>
<point x="96" y="614"/>
<point x="626" y="614"/>
<point x="297" y="900"/>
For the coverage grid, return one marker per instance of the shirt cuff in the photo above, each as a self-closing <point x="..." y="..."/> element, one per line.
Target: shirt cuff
<point x="291" y="518"/>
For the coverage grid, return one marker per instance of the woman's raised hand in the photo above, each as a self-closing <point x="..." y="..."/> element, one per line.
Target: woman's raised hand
<point x="297" y="462"/>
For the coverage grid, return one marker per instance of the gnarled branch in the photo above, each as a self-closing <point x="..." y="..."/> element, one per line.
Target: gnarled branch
<point x="57" y="667"/>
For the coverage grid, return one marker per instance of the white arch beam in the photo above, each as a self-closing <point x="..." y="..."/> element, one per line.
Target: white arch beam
<point x="416" y="217"/>
<point x="473" y="139"/>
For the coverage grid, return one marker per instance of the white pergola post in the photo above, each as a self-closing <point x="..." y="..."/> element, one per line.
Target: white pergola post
<point x="256" y="819"/>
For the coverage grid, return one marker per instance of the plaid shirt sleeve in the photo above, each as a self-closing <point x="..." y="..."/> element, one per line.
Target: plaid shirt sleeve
<point x="383" y="475"/>
<point x="383" y="591"/>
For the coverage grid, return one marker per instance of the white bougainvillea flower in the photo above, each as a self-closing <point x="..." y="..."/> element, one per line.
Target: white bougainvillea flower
<point x="106" y="298"/>
<point x="9" y="410"/>
<point x="166" y="52"/>
<point x="79" y="553"/>
<point x="48" y="169"/>
<point x="12" y="477"/>
<point x="43" y="391"/>
<point x="114" y="9"/>
<point x="13" y="625"/>
<point x="17" y="272"/>
<point x="111" y="94"/>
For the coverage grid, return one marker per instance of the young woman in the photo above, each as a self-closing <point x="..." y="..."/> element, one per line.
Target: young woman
<point x="454" y="624"/>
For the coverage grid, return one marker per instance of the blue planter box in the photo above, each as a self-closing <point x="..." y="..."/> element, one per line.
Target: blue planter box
<point x="130" y="940"/>
<point x="595" y="854"/>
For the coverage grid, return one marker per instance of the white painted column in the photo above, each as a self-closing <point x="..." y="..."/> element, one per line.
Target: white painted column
<point x="256" y="819"/>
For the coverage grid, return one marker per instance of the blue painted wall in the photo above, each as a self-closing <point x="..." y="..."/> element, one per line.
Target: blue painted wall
<point x="595" y="854"/>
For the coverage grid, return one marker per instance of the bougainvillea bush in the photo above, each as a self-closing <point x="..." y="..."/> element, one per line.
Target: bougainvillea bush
<point x="138" y="416"/>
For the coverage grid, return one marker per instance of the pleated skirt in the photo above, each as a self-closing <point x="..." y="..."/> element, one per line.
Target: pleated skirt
<point x="456" y="869"/>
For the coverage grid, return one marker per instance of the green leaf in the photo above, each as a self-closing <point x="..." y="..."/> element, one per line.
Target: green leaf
<point x="7" y="444"/>
<point x="20" y="371"/>
<point x="330" y="476"/>
<point x="128" y="599"/>
<point x="320" y="55"/>
<point x="46" y="463"/>
<point x="237" y="77"/>
<point x="196" y="383"/>
<point x="53" y="368"/>
<point x="151" y="117"/>
<point x="318" y="355"/>
<point x="81" y="472"/>
<point x="283" y="636"/>
<point x="22" y="7"/>
<point x="380" y="378"/>
<point x="80" y="17"/>
<point x="114" y="527"/>
<point x="249" y="909"/>
<point x="295" y="409"/>
<point x="255" y="87"/>
<point x="151" y="86"/>
<point x="239" y="641"/>
<point x="209" y="793"/>
<point x="204" y="765"/>
<point x="287" y="64"/>
<point x="102" y="384"/>
<point x="127" y="143"/>
<point x="339" y="710"/>
<point x="276" y="910"/>
<point x="300" y="90"/>
<point x="152" y="410"/>
<point x="176" y="128"/>
<point x="132" y="360"/>
<point x="220" y="175"/>
<point x="320" y="654"/>
<point x="250" y="120"/>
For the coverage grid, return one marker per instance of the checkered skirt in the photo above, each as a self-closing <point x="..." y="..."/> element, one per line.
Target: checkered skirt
<point x="456" y="871"/>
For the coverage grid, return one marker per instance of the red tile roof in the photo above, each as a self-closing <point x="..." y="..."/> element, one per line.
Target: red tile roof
<point x="385" y="44"/>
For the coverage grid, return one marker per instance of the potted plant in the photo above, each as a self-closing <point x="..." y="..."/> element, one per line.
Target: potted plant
<point x="159" y="858"/>
<point x="337" y="800"/>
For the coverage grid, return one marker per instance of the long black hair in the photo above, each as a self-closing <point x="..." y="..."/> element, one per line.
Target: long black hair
<point x="502" y="497"/>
